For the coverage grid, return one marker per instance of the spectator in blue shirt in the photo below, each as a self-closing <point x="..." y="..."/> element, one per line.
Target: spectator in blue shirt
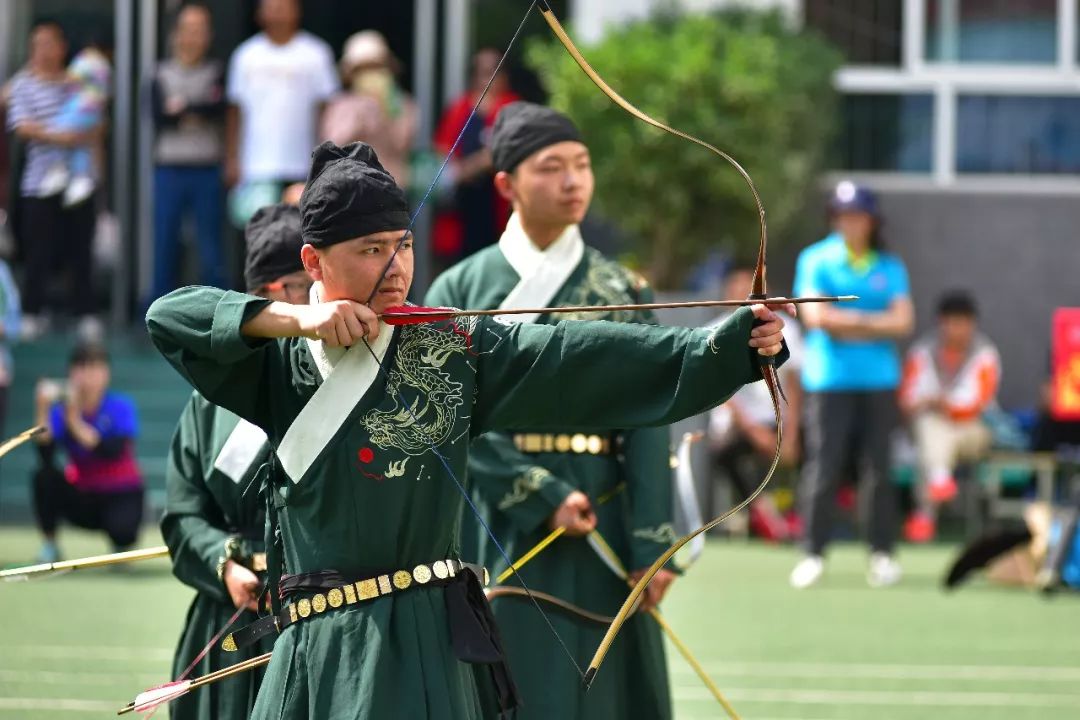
<point x="101" y="486"/>
<point x="850" y="374"/>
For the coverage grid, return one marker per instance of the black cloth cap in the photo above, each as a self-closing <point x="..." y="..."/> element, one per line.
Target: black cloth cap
<point x="521" y="128"/>
<point x="273" y="245"/>
<point x="349" y="195"/>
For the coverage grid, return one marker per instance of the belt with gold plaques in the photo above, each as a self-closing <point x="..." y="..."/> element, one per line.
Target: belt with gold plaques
<point x="577" y="443"/>
<point x="434" y="574"/>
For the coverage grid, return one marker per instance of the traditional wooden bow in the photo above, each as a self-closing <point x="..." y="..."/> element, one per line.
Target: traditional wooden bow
<point x="758" y="294"/>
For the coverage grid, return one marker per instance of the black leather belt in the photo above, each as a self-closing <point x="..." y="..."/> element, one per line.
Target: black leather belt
<point x="335" y="595"/>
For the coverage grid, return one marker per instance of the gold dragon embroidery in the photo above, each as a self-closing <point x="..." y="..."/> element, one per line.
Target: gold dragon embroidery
<point x="663" y="534"/>
<point x="433" y="398"/>
<point x="524" y="485"/>
<point x="605" y="283"/>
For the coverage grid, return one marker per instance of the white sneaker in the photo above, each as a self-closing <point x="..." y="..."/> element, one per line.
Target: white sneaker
<point x="808" y="571"/>
<point x="54" y="180"/>
<point x="32" y="327"/>
<point x="90" y="329"/>
<point x="884" y="570"/>
<point x="78" y="190"/>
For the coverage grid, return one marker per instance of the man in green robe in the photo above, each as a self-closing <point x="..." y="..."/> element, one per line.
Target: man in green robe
<point x="371" y="424"/>
<point x="213" y="522"/>
<point x="528" y="482"/>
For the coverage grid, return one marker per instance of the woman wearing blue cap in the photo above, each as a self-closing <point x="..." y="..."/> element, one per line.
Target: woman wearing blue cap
<point x="850" y="373"/>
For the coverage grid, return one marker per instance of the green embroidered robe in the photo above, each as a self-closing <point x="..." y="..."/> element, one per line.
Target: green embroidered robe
<point x="213" y="460"/>
<point x="517" y="492"/>
<point x="364" y="491"/>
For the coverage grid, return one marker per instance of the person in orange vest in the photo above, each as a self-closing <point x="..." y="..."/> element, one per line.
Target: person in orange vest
<point x="950" y="379"/>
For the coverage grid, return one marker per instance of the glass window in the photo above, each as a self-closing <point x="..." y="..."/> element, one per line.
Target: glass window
<point x="868" y="32"/>
<point x="886" y="133"/>
<point x="994" y="31"/>
<point x="1013" y="134"/>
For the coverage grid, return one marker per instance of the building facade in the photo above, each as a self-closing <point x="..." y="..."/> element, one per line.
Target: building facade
<point x="965" y="116"/>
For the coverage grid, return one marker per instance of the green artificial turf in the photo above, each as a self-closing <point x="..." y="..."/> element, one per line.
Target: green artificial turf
<point x="84" y="644"/>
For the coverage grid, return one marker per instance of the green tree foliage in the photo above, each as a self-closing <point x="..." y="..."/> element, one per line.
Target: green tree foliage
<point x="743" y="81"/>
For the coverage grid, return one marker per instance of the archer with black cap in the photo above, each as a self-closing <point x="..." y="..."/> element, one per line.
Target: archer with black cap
<point x="371" y="426"/>
<point x="214" y="519"/>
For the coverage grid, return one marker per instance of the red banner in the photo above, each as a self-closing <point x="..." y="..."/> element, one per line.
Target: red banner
<point x="1065" y="333"/>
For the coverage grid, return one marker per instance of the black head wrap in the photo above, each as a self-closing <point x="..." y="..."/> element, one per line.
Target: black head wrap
<point x="521" y="128"/>
<point x="349" y="195"/>
<point x="273" y="245"/>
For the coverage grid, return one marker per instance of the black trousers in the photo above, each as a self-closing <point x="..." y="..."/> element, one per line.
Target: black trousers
<point x="119" y="514"/>
<point x="840" y="426"/>
<point x="57" y="245"/>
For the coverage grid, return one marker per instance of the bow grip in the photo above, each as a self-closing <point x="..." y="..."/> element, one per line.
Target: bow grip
<point x="763" y="360"/>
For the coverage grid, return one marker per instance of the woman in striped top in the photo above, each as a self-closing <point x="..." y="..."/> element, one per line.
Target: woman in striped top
<point x="53" y="237"/>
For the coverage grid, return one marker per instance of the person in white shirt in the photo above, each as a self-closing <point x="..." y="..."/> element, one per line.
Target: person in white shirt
<point x="742" y="431"/>
<point x="278" y="82"/>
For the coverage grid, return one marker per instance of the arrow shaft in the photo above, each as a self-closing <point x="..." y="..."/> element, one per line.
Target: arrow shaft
<point x="443" y="313"/>
<point x="87" y="562"/>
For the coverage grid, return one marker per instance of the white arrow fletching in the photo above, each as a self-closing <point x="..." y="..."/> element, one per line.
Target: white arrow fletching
<point x="150" y="699"/>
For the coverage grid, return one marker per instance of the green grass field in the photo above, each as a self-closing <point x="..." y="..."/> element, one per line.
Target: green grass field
<point x="82" y="645"/>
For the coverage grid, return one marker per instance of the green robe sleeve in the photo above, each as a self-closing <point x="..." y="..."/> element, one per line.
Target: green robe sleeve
<point x="647" y="473"/>
<point x="512" y="483"/>
<point x="595" y="375"/>
<point x="506" y="478"/>
<point x="192" y="521"/>
<point x="197" y="329"/>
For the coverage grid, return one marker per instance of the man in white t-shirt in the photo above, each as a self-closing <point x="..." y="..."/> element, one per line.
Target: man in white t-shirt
<point x="742" y="431"/>
<point x="277" y="84"/>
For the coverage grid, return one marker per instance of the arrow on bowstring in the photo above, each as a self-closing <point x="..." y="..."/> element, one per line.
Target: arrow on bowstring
<point x="415" y="314"/>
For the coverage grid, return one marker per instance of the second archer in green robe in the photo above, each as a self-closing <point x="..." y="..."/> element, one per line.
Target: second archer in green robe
<point x="528" y="482"/>
<point x="214" y="520"/>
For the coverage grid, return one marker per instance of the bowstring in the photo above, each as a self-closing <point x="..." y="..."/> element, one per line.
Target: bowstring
<point x="382" y="369"/>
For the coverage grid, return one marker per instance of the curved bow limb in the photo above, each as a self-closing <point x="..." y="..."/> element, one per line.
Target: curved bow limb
<point x="759" y="294"/>
<point x="611" y="559"/>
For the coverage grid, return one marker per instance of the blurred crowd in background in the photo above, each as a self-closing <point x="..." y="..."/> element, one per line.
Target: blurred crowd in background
<point x="908" y="415"/>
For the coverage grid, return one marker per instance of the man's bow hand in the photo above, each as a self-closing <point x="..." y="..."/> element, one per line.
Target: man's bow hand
<point x="768" y="337"/>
